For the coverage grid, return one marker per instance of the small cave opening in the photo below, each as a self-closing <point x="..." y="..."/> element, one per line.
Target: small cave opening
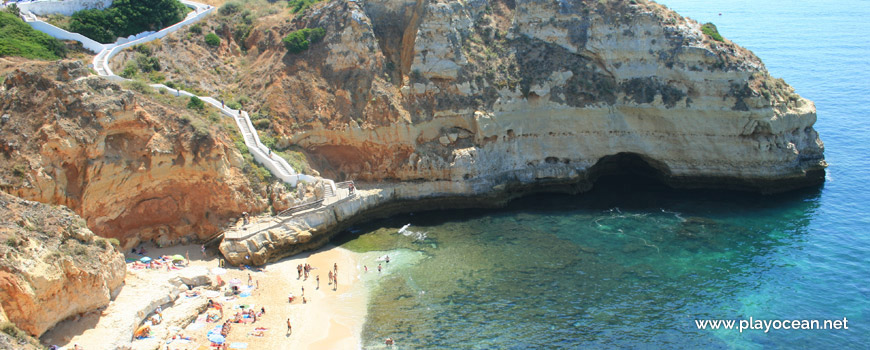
<point x="628" y="169"/>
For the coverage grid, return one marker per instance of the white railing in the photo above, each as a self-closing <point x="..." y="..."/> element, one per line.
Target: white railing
<point x="275" y="164"/>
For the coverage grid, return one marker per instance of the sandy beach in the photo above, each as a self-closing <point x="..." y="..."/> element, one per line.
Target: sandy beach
<point x="332" y="318"/>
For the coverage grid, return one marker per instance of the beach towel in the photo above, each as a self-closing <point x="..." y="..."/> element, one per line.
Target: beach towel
<point x="245" y="294"/>
<point x="238" y="345"/>
<point x="196" y="326"/>
<point x="200" y="319"/>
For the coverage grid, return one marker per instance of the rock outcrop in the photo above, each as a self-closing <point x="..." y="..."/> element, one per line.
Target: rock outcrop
<point x="135" y="166"/>
<point x="143" y="292"/>
<point x="491" y="92"/>
<point x="497" y="91"/>
<point x="52" y="265"/>
<point x="471" y="103"/>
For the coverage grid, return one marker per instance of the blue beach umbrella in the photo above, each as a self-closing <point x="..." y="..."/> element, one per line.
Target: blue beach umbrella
<point x="145" y="259"/>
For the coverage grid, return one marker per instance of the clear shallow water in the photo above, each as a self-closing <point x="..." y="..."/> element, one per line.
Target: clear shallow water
<point x="634" y="265"/>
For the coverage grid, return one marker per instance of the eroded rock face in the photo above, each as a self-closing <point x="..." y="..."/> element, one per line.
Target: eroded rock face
<point x="52" y="265"/>
<point x="496" y="91"/>
<point x="133" y="167"/>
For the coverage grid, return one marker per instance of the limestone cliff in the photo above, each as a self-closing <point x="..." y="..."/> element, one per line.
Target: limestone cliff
<point x="52" y="265"/>
<point x="135" y="166"/>
<point x="495" y="91"/>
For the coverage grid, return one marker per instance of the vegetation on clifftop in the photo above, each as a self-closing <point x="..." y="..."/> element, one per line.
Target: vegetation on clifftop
<point x="299" y="6"/>
<point x="19" y="39"/>
<point x="127" y="17"/>
<point x="710" y="30"/>
<point x="299" y="40"/>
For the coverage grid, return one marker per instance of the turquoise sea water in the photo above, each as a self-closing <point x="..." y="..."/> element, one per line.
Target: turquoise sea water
<point x="633" y="265"/>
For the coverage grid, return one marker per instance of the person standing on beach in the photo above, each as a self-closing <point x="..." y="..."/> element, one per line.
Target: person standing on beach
<point x="303" y="291"/>
<point x="379" y="268"/>
<point x="318" y="281"/>
<point x="335" y="268"/>
<point x="330" y="277"/>
<point x="289" y="327"/>
<point x="203" y="251"/>
<point x="335" y="280"/>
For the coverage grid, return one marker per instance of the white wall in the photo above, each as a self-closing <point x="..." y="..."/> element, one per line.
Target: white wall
<point x="66" y="7"/>
<point x="61" y="34"/>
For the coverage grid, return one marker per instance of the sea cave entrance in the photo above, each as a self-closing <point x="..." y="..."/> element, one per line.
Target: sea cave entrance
<point x="627" y="168"/>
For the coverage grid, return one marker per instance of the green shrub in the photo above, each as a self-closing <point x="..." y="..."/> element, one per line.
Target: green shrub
<point x="140" y="86"/>
<point x="234" y="105"/>
<point x="196" y="28"/>
<point x="298" y="6"/>
<point x="127" y="17"/>
<point x="130" y="70"/>
<point x="156" y="77"/>
<point x="267" y="139"/>
<point x="143" y="49"/>
<point x="229" y="8"/>
<point x="19" y="39"/>
<point x="195" y="103"/>
<point x="710" y="30"/>
<point x="147" y="64"/>
<point x="114" y="241"/>
<point x="299" y="41"/>
<point x="212" y="39"/>
<point x="262" y="123"/>
<point x="13" y="10"/>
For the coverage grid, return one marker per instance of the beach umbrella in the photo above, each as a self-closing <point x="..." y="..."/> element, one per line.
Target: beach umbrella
<point x="145" y="259"/>
<point x="218" y="271"/>
<point x="235" y="281"/>
<point x="177" y="257"/>
<point x="216" y="338"/>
